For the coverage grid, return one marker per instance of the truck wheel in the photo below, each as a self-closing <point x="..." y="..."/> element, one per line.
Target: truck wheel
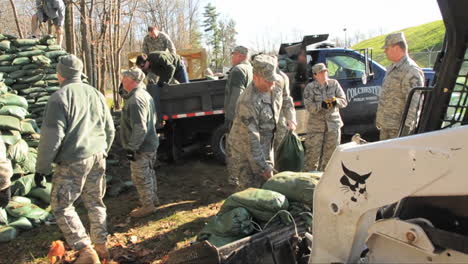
<point x="218" y="143"/>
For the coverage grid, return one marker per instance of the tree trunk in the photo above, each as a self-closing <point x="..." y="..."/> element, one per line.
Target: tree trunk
<point x="20" y="33"/>
<point x="85" y="43"/>
<point x="70" y="43"/>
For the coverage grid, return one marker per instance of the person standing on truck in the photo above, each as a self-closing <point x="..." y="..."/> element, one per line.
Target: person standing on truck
<point x="77" y="134"/>
<point x="140" y="140"/>
<point x="322" y="98"/>
<point x="49" y="10"/>
<point x="239" y="78"/>
<point x="166" y="65"/>
<point x="6" y="171"/>
<point x="157" y="41"/>
<point x="250" y="141"/>
<point x="402" y="75"/>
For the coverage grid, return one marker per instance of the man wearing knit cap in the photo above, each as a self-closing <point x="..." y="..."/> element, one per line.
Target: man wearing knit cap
<point x="139" y="139"/>
<point x="76" y="135"/>
<point x="240" y="76"/>
<point x="402" y="76"/>
<point x="249" y="143"/>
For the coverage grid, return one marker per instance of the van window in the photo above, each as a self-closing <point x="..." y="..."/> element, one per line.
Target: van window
<point x="344" y="67"/>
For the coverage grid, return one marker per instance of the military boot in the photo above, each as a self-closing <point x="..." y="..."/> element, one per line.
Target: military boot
<point x="143" y="211"/>
<point x="87" y="255"/>
<point x="102" y="251"/>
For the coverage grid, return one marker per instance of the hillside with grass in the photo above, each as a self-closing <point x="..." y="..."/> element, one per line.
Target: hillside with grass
<point x="421" y="40"/>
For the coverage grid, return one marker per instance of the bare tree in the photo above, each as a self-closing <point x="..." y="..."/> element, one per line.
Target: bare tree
<point x="13" y="7"/>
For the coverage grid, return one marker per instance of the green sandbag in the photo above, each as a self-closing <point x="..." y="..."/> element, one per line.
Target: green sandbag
<point x="53" y="83"/>
<point x="31" y="79"/>
<point x="17" y="74"/>
<point x="41" y="60"/>
<point x="34" y="143"/>
<point x="13" y="99"/>
<point x="4" y="45"/>
<point x="51" y="71"/>
<point x="290" y="154"/>
<point x="30" y="53"/>
<point x="20" y="86"/>
<point x="296" y="186"/>
<point x="29" y="127"/>
<point x="21" y="61"/>
<point x="9" y="123"/>
<point x="3" y="216"/>
<point x="10" y="37"/>
<point x="7" y="234"/>
<point x="33" y="72"/>
<point x="9" y="81"/>
<point x="25" y="42"/>
<point x="14" y="110"/>
<point x="261" y="204"/>
<point x="21" y="199"/>
<point x="21" y="223"/>
<point x="52" y="89"/>
<point x="42" y="194"/>
<point x="54" y="47"/>
<point x="55" y="53"/>
<point x="3" y="88"/>
<point x="19" y="151"/>
<point x="30" y="66"/>
<point x="47" y="40"/>
<point x="17" y="169"/>
<point x="43" y="99"/>
<point x="5" y="63"/>
<point x="40" y="83"/>
<point x="10" y="137"/>
<point x="23" y="185"/>
<point x="2" y="37"/>
<point x="25" y="48"/>
<point x="52" y="76"/>
<point x="30" y="211"/>
<point x="8" y="69"/>
<point x="228" y="227"/>
<point x="29" y="165"/>
<point x="7" y="57"/>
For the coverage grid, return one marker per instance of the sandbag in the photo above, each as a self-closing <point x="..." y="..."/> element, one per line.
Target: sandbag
<point x="32" y="90"/>
<point x="31" y="79"/>
<point x="7" y="234"/>
<point x="261" y="204"/>
<point x="41" y="60"/>
<point x="7" y="57"/>
<point x="29" y="126"/>
<point x="30" y="66"/>
<point x="9" y="123"/>
<point x="296" y="186"/>
<point x="30" y="211"/>
<point x="33" y="72"/>
<point x="19" y="151"/>
<point x="54" y="47"/>
<point x="4" y="45"/>
<point x="52" y="89"/>
<point x="41" y="47"/>
<point x="21" y="223"/>
<point x="42" y="194"/>
<point x="33" y="52"/>
<point x="10" y="137"/>
<point x="20" y="86"/>
<point x="3" y="216"/>
<point x="55" y="53"/>
<point x="13" y="110"/>
<point x="47" y="40"/>
<point x="21" y="199"/>
<point x="3" y="88"/>
<point x="8" y="69"/>
<point x="43" y="99"/>
<point x="25" y="42"/>
<point x="52" y="76"/>
<point x="5" y="63"/>
<point x="21" y="61"/>
<point x="23" y="185"/>
<point x="17" y="74"/>
<point x="13" y="99"/>
<point x="9" y="81"/>
<point x="29" y="165"/>
<point x="290" y="154"/>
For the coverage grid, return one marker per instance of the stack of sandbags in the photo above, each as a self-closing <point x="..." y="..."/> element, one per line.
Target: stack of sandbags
<point x="29" y="68"/>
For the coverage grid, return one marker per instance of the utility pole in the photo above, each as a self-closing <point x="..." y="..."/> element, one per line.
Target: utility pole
<point x="345" y="38"/>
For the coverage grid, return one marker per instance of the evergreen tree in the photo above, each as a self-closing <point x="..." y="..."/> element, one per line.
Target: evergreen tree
<point x="211" y="26"/>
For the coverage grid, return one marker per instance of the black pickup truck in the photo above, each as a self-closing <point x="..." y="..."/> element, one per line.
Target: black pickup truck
<point x="193" y="112"/>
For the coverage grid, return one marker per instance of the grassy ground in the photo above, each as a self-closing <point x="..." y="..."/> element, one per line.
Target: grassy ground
<point x="190" y="193"/>
<point x="421" y="38"/>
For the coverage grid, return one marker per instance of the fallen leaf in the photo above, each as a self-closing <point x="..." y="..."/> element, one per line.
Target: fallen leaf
<point x="133" y="239"/>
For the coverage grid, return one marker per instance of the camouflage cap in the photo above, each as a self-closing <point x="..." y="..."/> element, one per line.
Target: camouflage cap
<point x="319" y="67"/>
<point x="265" y="66"/>
<point x="241" y="49"/>
<point x="394" y="38"/>
<point x="134" y="73"/>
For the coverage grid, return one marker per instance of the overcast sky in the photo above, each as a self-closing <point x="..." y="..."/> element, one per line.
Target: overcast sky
<point x="266" y="22"/>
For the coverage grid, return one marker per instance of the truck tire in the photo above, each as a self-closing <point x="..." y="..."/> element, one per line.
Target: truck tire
<point x="218" y="143"/>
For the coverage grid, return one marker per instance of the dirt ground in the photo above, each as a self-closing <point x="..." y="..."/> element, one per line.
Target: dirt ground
<point x="190" y="192"/>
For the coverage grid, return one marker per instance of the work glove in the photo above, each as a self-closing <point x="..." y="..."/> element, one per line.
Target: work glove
<point x="333" y="101"/>
<point x="130" y="155"/>
<point x="38" y="179"/>
<point x="5" y="196"/>
<point x="324" y="104"/>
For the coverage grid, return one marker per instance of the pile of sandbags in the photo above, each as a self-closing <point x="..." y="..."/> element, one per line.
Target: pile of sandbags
<point x="285" y="196"/>
<point x="29" y="68"/>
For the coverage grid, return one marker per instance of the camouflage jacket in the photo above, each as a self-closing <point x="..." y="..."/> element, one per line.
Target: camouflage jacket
<point x="164" y="65"/>
<point x="5" y="167"/>
<point x="161" y="43"/>
<point x="240" y="76"/>
<point x="401" y="77"/>
<point x="50" y="7"/>
<point x="138" y="122"/>
<point x="77" y="124"/>
<point x="252" y="132"/>
<point x="288" y="112"/>
<point x="320" y="119"/>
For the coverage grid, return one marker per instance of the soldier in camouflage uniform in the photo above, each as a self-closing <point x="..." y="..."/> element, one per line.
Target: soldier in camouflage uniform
<point x="323" y="97"/>
<point x="157" y="41"/>
<point x="140" y="140"/>
<point x="169" y="67"/>
<point x="250" y="141"/>
<point x="402" y="75"/>
<point x="240" y="76"/>
<point x="6" y="171"/>
<point x="77" y="134"/>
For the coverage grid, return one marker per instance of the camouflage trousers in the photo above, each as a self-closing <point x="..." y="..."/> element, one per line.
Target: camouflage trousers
<point x="144" y="177"/>
<point x="86" y="179"/>
<point x="388" y="133"/>
<point x="319" y="149"/>
<point x="280" y="133"/>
